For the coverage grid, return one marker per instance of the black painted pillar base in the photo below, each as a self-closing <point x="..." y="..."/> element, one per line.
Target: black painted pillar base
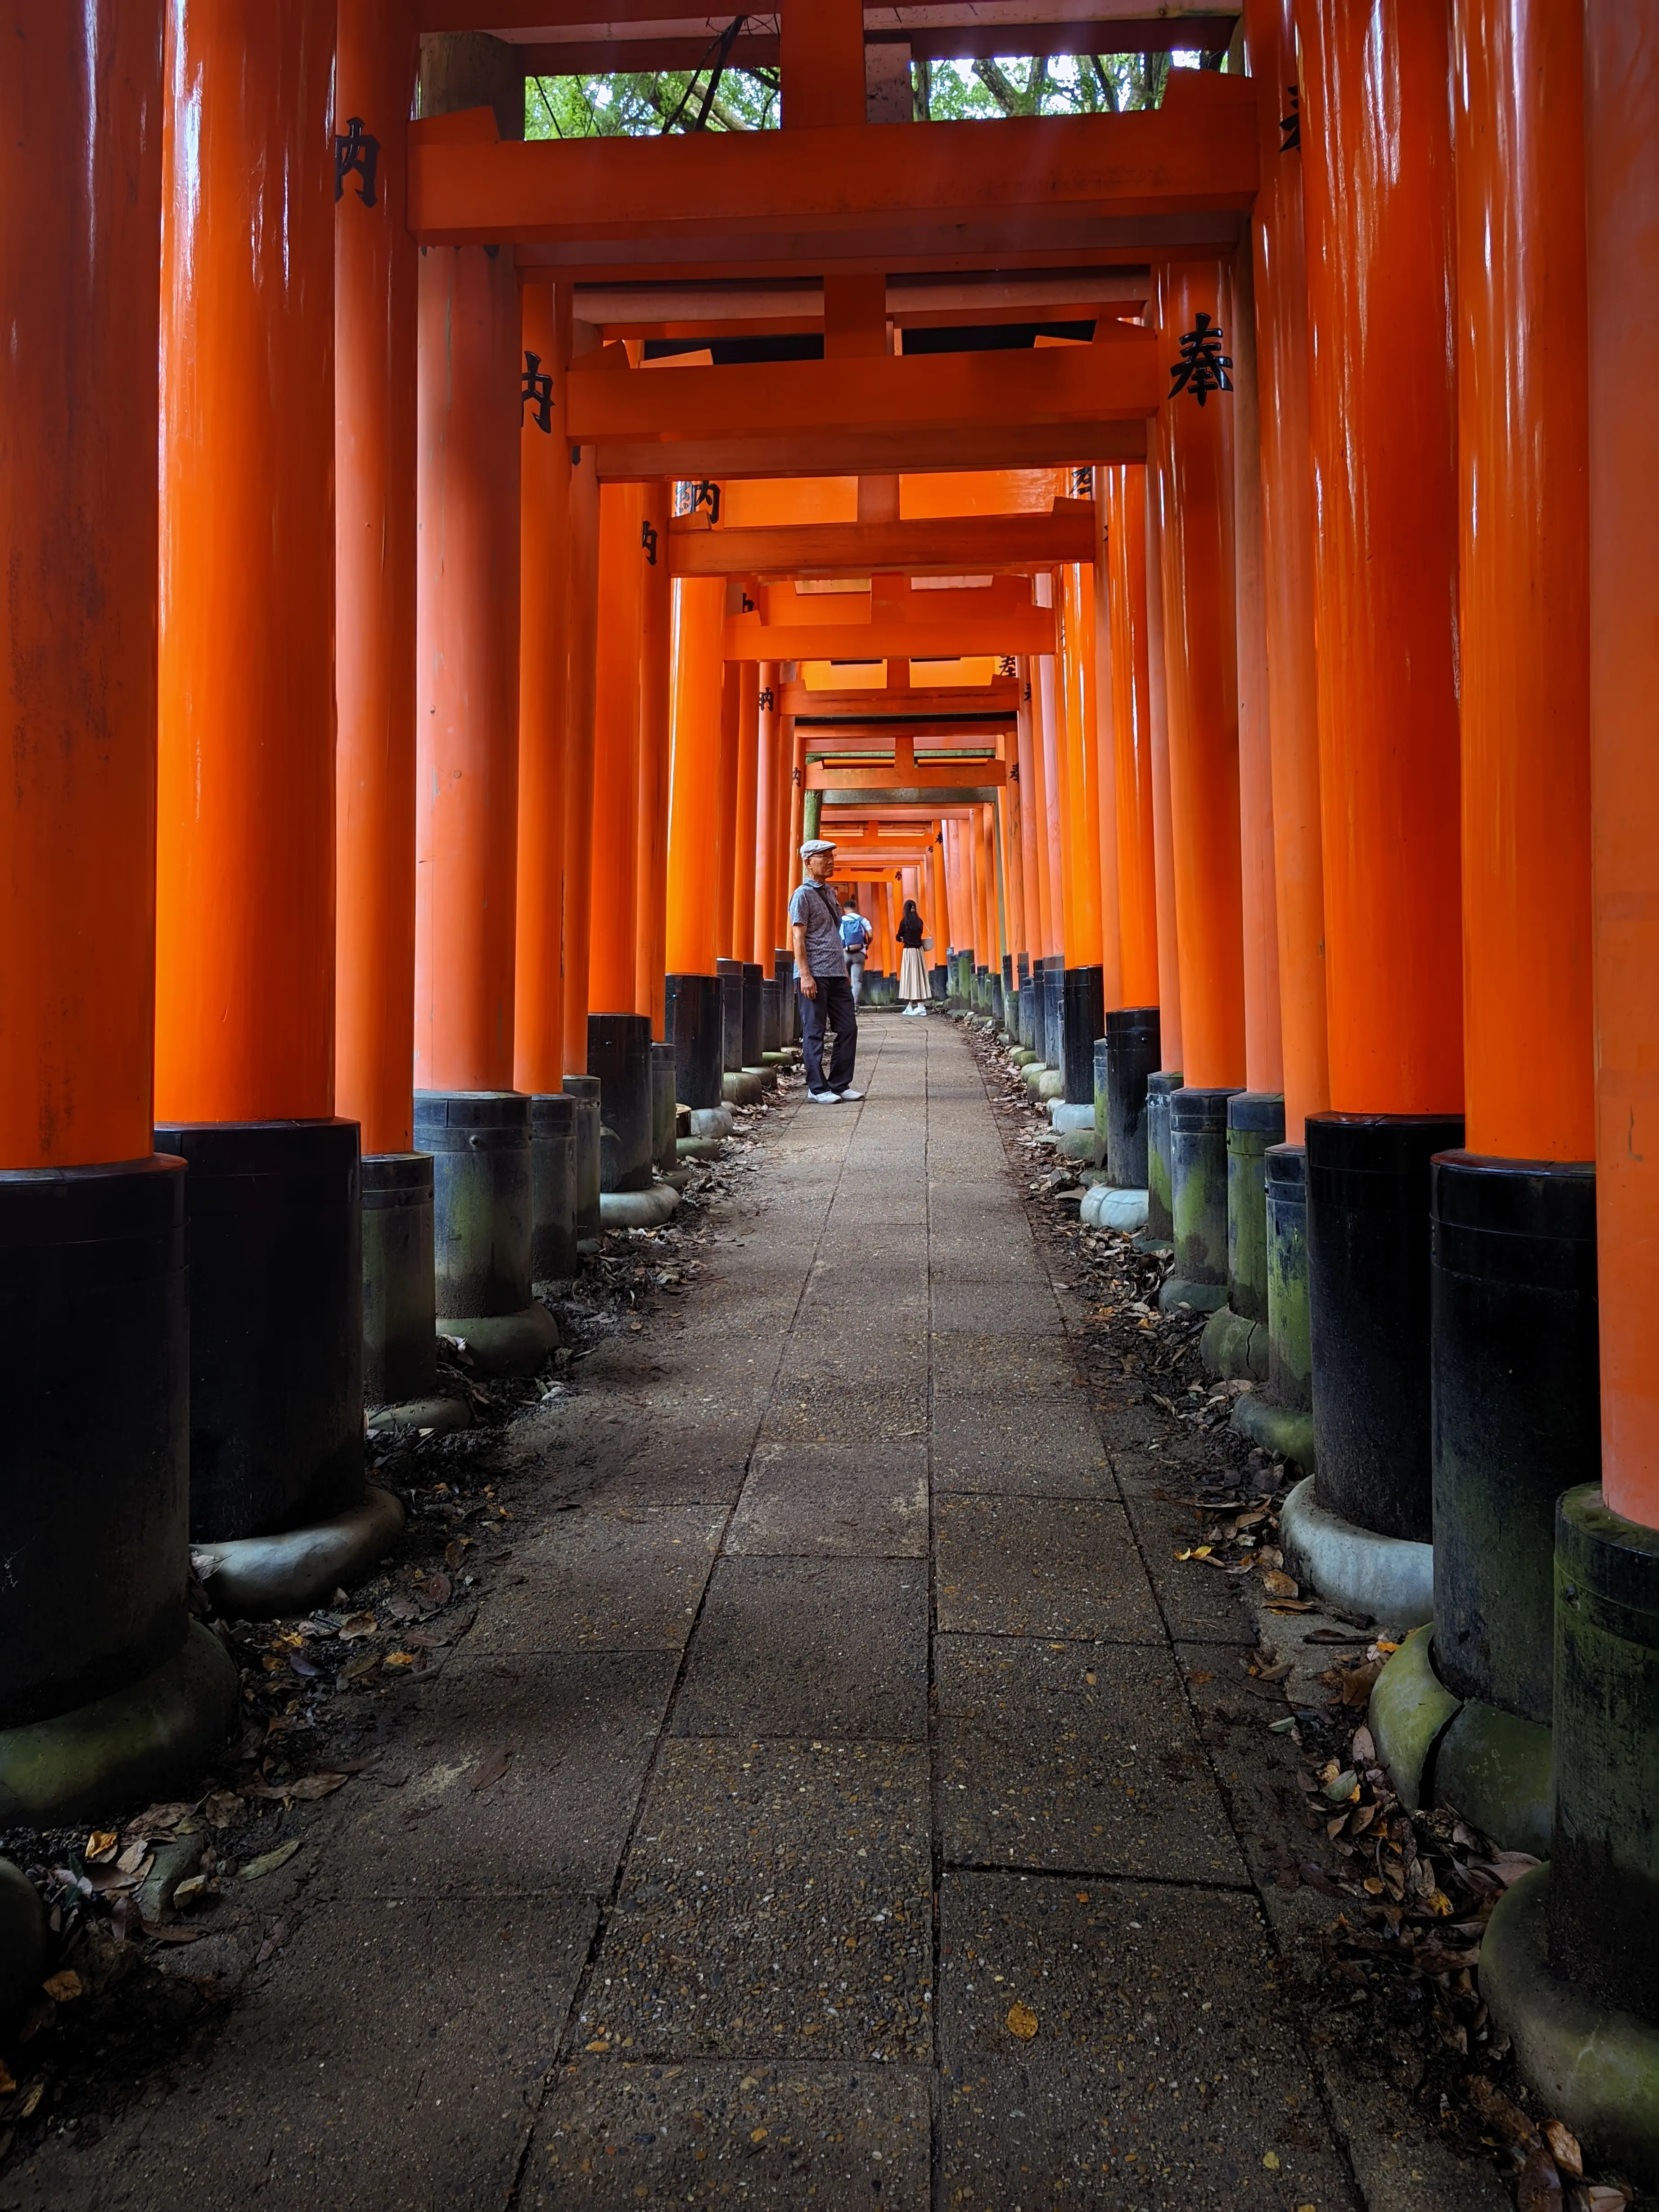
<point x="95" y="1449"/>
<point x="619" y="1053"/>
<point x="730" y="973"/>
<point x="1604" y="1885"/>
<point x="1161" y="1086"/>
<point x="400" y="1343"/>
<point x="694" y="1024"/>
<point x="663" y="1155"/>
<point x="771" y="1015"/>
<point x="941" y="978"/>
<point x="1132" y="1055"/>
<point x="553" y="1254"/>
<point x="1255" y="1120"/>
<point x="585" y="1091"/>
<point x="783" y="969"/>
<point x="754" y="1014"/>
<point x="483" y="1215"/>
<point x="1198" y="1196"/>
<point x="1368" y="1284"/>
<point x="1516" y="1411"/>
<point x="1082" y="1022"/>
<point x="1054" y="1011"/>
<point x="275" y="1212"/>
<point x="1289" y="1359"/>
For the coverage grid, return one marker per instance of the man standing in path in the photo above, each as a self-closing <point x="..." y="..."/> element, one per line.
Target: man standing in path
<point x="826" y="995"/>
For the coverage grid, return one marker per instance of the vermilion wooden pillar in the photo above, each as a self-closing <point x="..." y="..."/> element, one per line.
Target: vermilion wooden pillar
<point x="375" y="267"/>
<point x="246" y="814"/>
<point x="1516" y="1421"/>
<point x="612" y="904"/>
<point x="1081" y="851"/>
<point x="699" y="622"/>
<point x="1264" y="1063"/>
<point x="771" y="781"/>
<point x="1377" y="182"/>
<point x="1102" y="738"/>
<point x="1124" y="488"/>
<point x="1033" y="842"/>
<point x="1169" y="945"/>
<point x="92" y="1302"/>
<point x="1281" y="360"/>
<point x="747" y="675"/>
<point x="1201" y="684"/>
<point x="723" y="887"/>
<point x="1622" y="159"/>
<point x="656" y="688"/>
<point x="539" y="1061"/>
<point x="467" y="670"/>
<point x="582" y="623"/>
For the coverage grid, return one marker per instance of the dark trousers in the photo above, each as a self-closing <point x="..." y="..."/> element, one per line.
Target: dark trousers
<point x="831" y="1008"/>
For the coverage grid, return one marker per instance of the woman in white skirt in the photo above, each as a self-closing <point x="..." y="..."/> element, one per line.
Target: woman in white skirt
<point x="914" y="988"/>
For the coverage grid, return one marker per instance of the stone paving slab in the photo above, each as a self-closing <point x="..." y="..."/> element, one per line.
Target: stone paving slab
<point x="1081" y="1756"/>
<point x="521" y="1775"/>
<point x="1120" y="2042"/>
<point x="835" y="1501"/>
<point x="1046" y="1451"/>
<point x="810" y="1648"/>
<point x="611" y="1578"/>
<point x="777" y="1899"/>
<point x="1041" y="1567"/>
<point x="617" y="2134"/>
<point x="1196" y="1600"/>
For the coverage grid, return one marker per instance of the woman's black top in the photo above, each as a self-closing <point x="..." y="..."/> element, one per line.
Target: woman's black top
<point x="911" y="929"/>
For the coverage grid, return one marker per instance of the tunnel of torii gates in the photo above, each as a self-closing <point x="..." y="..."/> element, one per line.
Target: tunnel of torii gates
<point x="1252" y="681"/>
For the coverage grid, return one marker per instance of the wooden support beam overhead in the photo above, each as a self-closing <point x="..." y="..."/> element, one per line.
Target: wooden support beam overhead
<point x="852" y="452"/>
<point x="831" y="715"/>
<point x="966" y="546"/>
<point x="1124" y="375"/>
<point x="1196" y="152"/>
<point x="921" y="777"/>
<point x="948" y="638"/>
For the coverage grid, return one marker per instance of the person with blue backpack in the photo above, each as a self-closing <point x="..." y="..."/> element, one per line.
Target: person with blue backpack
<point x="856" y="935"/>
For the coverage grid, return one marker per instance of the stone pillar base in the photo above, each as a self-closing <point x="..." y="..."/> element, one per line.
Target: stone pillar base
<point x="1388" y="1579"/>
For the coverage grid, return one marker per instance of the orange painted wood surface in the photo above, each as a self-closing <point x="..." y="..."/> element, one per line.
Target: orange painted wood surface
<point x="1200" y="676"/>
<point x="656" y="691"/>
<point x="80" y="260"/>
<point x="543" y="697"/>
<point x="1376" y="165"/>
<point x="582" y="625"/>
<point x="967" y="545"/>
<point x="1281" y="354"/>
<point x="1523" y="448"/>
<point x="694" y="797"/>
<point x="375" y="263"/>
<point x="612" y="920"/>
<point x="244" y="844"/>
<point x="1137" y="874"/>
<point x="1080" y="852"/>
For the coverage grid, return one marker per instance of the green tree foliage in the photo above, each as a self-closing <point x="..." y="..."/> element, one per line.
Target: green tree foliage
<point x="646" y="103"/>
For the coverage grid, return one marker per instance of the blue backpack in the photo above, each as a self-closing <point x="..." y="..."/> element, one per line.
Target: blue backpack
<point x="852" y="933"/>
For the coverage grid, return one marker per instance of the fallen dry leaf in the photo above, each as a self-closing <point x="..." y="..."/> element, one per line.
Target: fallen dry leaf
<point x="268" y="1862"/>
<point x="1021" y="2021"/>
<point x="1564" y="2149"/>
<point x="360" y="1623"/>
<point x="100" y="1845"/>
<point x="64" y="1988"/>
<point x="490" y="1768"/>
<point x="6" y="2085"/>
<point x="1277" y="1584"/>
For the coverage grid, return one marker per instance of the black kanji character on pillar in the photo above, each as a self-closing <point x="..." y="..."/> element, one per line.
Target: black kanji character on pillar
<point x="1006" y="665"/>
<point x="1202" y="367"/>
<point x="537" y="390"/>
<point x="355" y="155"/>
<point x="706" y="495"/>
<point x="1082" y="483"/>
<point x="648" y="539"/>
<point x="767" y="700"/>
<point x="1290" y="125"/>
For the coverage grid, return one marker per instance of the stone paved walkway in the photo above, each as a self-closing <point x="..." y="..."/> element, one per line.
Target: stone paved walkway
<point x="859" y="1846"/>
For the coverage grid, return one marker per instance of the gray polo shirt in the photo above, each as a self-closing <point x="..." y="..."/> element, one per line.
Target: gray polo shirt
<point x="816" y="906"/>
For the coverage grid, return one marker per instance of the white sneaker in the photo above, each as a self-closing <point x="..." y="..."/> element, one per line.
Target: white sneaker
<point x="847" y="1094"/>
<point x="826" y="1098"/>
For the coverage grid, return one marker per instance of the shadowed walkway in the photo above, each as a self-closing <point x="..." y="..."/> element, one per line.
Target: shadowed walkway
<point x="857" y="1845"/>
